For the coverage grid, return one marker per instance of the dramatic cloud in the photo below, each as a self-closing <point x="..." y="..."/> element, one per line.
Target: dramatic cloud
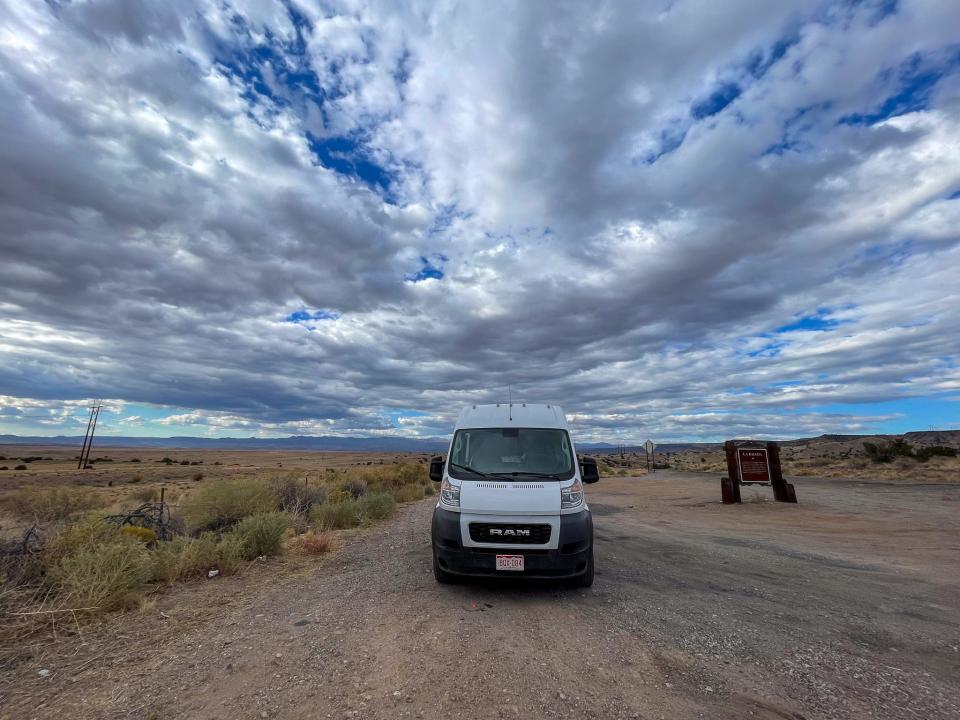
<point x="685" y="219"/>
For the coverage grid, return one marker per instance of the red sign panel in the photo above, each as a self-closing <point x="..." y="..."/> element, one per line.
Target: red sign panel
<point x="754" y="466"/>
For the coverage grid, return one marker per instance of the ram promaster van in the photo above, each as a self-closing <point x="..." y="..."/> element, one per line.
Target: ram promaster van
<point x="511" y="497"/>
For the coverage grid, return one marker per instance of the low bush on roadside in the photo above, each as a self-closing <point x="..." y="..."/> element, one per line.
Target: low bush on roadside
<point x="376" y="506"/>
<point x="222" y="503"/>
<point x="262" y="534"/>
<point x="185" y="557"/>
<point x="230" y="554"/>
<point x="408" y="493"/>
<point x="145" y="494"/>
<point x="336" y="515"/>
<point x="429" y="491"/>
<point x="55" y="503"/>
<point x="104" y="576"/>
<point x="315" y="543"/>
<point x="924" y="454"/>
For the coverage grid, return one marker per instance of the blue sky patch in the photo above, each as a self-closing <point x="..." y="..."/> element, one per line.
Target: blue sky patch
<point x="301" y="316"/>
<point x="820" y="321"/>
<point x="428" y="270"/>
<point x="916" y="79"/>
<point x="716" y="102"/>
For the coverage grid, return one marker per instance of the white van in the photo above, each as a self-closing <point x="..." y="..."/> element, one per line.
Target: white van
<point x="511" y="497"/>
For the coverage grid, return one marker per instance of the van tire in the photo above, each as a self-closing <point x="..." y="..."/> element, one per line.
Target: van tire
<point x="586" y="580"/>
<point x="441" y="575"/>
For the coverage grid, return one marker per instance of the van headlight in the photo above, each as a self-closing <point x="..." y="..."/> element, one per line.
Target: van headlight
<point x="449" y="493"/>
<point x="572" y="496"/>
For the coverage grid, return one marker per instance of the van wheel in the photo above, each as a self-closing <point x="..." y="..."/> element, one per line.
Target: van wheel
<point x="441" y="575"/>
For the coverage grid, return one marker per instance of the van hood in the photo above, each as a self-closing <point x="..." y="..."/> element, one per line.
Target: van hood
<point x="493" y="497"/>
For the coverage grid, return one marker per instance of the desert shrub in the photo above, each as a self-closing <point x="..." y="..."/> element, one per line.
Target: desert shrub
<point x="339" y="496"/>
<point x="184" y="462"/>
<point x="429" y="491"/>
<point x="315" y="543"/>
<point x="134" y="460"/>
<point x="376" y="506"/>
<point x="926" y="453"/>
<point x="144" y="535"/>
<point x="355" y="486"/>
<point x="135" y="479"/>
<point x="19" y="467"/>
<point x="185" y="557"/>
<point x="230" y="553"/>
<point x="88" y="531"/>
<point x="262" y="534"/>
<point x="222" y="503"/>
<point x="55" y="503"/>
<point x="336" y="515"/>
<point x="197" y="477"/>
<point x="4" y="467"/>
<point x="294" y="496"/>
<point x="887" y="452"/>
<point x="408" y="493"/>
<point x="105" y="576"/>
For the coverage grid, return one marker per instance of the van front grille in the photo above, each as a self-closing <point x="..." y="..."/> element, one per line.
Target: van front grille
<point x="510" y="534"/>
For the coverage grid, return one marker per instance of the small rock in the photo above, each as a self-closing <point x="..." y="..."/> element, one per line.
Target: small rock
<point x="212" y="573"/>
<point x="43" y="673"/>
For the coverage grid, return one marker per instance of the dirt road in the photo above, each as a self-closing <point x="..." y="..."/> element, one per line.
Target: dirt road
<point x="845" y="606"/>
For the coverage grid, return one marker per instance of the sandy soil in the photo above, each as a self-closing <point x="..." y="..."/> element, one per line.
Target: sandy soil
<point x="844" y="606"/>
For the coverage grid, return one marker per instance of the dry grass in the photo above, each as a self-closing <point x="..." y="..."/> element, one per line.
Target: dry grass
<point x="315" y="543"/>
<point x="53" y="503"/>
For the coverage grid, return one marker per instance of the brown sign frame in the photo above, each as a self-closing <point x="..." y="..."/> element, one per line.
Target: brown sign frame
<point x="730" y="485"/>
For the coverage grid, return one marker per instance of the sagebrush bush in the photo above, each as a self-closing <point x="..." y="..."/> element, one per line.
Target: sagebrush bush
<point x="145" y="494"/>
<point x="135" y="479"/>
<point x="376" y="506"/>
<point x="54" y="503"/>
<point x="339" y="496"/>
<point x="262" y="534"/>
<point x="429" y="490"/>
<point x="105" y="576"/>
<point x="336" y="515"/>
<point x="222" y="503"/>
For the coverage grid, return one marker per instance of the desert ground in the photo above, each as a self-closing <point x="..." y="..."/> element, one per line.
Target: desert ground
<point x="846" y="605"/>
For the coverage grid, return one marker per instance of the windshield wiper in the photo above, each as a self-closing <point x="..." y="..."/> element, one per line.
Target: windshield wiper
<point x="469" y="469"/>
<point x="550" y="476"/>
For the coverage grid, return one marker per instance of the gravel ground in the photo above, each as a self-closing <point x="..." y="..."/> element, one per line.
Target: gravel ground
<point x="844" y="606"/>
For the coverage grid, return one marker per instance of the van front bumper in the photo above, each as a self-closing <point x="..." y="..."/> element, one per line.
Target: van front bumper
<point x="569" y="560"/>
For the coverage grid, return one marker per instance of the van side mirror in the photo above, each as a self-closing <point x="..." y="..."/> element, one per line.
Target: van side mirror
<point x="589" y="472"/>
<point x="436" y="468"/>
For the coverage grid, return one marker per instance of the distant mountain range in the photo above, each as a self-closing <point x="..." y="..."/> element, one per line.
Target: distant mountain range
<point x="401" y="444"/>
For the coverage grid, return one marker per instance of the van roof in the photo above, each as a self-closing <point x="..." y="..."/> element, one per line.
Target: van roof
<point x="516" y="415"/>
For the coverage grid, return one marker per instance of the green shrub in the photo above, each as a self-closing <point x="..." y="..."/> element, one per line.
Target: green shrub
<point x="230" y="553"/>
<point x="185" y="557"/>
<point x="224" y="502"/>
<point x="336" y="515"/>
<point x="105" y="576"/>
<point x="339" y="496"/>
<point x="376" y="506"/>
<point x="429" y="491"/>
<point x="262" y="534"/>
<point x="55" y="503"/>
<point x="926" y="453"/>
<point x="86" y="532"/>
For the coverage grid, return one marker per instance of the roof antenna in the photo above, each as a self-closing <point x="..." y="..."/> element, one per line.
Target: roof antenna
<point x="510" y="402"/>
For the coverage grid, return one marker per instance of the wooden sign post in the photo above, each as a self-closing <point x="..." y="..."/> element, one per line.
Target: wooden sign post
<point x="754" y="463"/>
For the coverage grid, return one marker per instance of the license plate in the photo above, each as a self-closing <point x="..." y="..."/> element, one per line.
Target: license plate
<point x="510" y="562"/>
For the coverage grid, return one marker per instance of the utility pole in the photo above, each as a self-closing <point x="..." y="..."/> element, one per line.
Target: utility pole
<point x="88" y="436"/>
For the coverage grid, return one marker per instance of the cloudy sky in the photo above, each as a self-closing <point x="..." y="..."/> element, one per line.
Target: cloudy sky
<point x="680" y="219"/>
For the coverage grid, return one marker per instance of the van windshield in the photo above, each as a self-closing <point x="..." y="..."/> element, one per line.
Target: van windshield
<point x="509" y="452"/>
